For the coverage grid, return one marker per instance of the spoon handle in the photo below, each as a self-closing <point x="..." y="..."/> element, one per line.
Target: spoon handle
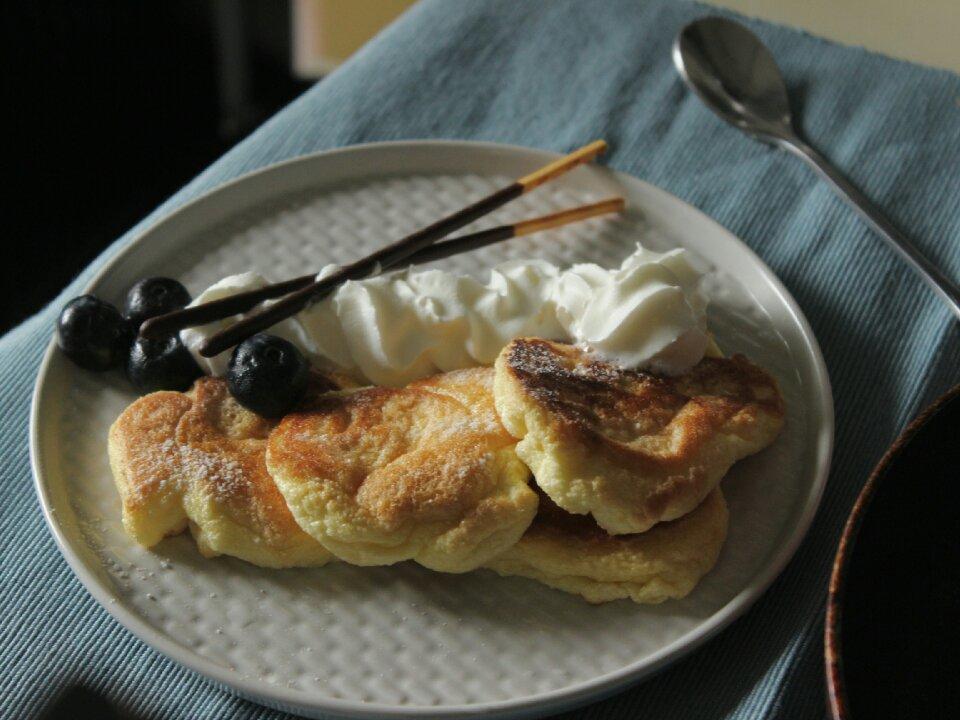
<point x="942" y="285"/>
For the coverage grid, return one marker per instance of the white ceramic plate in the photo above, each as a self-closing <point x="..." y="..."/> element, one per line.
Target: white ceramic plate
<point x="402" y="641"/>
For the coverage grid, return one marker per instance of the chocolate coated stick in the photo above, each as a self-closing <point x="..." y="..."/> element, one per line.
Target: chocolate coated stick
<point x="395" y="253"/>
<point x="241" y="302"/>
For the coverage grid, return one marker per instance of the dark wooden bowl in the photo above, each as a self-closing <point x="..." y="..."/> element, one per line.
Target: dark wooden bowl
<point x="893" y="610"/>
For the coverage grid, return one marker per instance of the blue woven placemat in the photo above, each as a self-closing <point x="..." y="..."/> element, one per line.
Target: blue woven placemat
<point x="555" y="75"/>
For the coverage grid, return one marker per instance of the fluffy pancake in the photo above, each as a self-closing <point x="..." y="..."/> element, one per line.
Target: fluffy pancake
<point x="382" y="475"/>
<point x="572" y="553"/>
<point x="197" y="459"/>
<point x="472" y="387"/>
<point x="145" y="460"/>
<point x="626" y="446"/>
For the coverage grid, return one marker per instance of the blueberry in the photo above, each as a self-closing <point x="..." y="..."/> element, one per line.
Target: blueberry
<point x="154" y="296"/>
<point x="93" y="333"/>
<point x="267" y="375"/>
<point x="161" y="364"/>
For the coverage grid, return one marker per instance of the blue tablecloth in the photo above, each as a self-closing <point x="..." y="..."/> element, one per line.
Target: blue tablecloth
<point x="555" y="75"/>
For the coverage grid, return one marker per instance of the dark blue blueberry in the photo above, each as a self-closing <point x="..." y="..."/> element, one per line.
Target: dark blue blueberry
<point x="154" y="296"/>
<point x="161" y="364"/>
<point x="267" y="375"/>
<point x="93" y="334"/>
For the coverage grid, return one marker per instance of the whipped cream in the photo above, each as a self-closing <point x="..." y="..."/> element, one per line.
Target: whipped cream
<point x="401" y="326"/>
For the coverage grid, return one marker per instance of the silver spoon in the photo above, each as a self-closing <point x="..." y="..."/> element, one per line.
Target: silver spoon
<point x="733" y="72"/>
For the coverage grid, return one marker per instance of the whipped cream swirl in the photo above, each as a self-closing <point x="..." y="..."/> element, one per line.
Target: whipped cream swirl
<point x="401" y="326"/>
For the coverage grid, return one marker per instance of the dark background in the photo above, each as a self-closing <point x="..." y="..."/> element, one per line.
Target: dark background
<point x="114" y="105"/>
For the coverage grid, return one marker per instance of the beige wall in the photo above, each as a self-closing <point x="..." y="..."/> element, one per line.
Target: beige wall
<point x="326" y="32"/>
<point x="924" y="31"/>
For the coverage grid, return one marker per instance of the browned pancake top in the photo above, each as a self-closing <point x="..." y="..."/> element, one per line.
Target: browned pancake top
<point x="223" y="446"/>
<point x="405" y="454"/>
<point x="167" y="445"/>
<point x="147" y="429"/>
<point x="596" y="401"/>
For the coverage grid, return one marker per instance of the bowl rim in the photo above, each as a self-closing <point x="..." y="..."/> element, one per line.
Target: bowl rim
<point x="838" y="700"/>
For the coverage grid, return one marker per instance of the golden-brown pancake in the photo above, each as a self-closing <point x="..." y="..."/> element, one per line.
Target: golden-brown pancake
<point x="472" y="387"/>
<point x="572" y="553"/>
<point x="382" y="475"/>
<point x="232" y="502"/>
<point x="631" y="448"/>
<point x="197" y="459"/>
<point x="145" y="460"/>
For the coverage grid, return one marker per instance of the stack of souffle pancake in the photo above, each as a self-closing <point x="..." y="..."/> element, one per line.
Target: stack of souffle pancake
<point x="552" y="465"/>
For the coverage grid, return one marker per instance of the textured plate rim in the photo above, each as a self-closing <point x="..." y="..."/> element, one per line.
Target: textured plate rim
<point x="552" y="701"/>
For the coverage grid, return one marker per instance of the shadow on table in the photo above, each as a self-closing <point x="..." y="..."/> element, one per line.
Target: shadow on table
<point x="77" y="703"/>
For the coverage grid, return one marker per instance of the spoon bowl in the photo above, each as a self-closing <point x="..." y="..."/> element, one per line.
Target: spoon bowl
<point x="735" y="75"/>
